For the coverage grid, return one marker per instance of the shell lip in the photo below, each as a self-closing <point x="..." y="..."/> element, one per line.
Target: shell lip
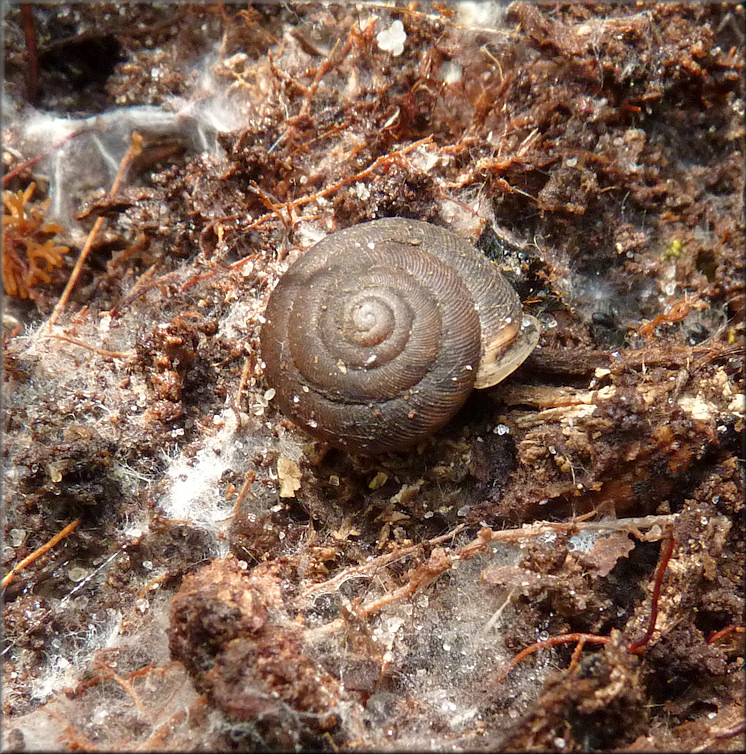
<point x="498" y="365"/>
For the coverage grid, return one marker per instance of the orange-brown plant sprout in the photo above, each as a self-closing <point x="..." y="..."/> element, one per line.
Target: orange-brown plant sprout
<point x="28" y="254"/>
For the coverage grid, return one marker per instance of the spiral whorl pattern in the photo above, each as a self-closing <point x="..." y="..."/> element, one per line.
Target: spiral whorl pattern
<point x="373" y="338"/>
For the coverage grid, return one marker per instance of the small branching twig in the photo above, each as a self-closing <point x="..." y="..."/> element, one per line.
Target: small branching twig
<point x="153" y="583"/>
<point x="384" y="161"/>
<point x="108" y="673"/>
<point x="719" y="734"/>
<point x="373" y="566"/>
<point x="554" y="641"/>
<point x="441" y="560"/>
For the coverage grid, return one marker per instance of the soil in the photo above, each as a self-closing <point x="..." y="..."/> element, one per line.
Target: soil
<point x="214" y="579"/>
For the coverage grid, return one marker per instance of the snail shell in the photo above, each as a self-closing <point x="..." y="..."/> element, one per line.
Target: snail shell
<point x="375" y="337"/>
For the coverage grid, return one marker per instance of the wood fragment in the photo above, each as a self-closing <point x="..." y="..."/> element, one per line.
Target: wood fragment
<point x="135" y="149"/>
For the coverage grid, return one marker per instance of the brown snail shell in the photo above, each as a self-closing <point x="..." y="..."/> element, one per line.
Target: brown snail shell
<point x="375" y="337"/>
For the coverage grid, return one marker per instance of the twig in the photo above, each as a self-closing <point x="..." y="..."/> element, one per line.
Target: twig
<point x="134" y="151"/>
<point x="284" y="75"/>
<point x="737" y="729"/>
<point x="385" y="159"/>
<point x="675" y="313"/>
<point x="247" y="367"/>
<point x="108" y="673"/>
<point x="442" y="560"/>
<point x="575" y="659"/>
<point x="155" y="581"/>
<point x="310" y="91"/>
<point x="376" y="564"/>
<point x="100" y="351"/>
<point x="32" y="82"/>
<point x="38" y="553"/>
<point x="143" y="284"/>
<point x="723" y="632"/>
<point x="382" y="160"/>
<point x="551" y="642"/>
<point x="250" y="479"/>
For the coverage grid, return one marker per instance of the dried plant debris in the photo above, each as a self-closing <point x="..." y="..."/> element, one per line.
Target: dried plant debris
<point x="29" y="250"/>
<point x="560" y="568"/>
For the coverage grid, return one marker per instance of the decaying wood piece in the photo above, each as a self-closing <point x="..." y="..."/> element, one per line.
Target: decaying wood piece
<point x="624" y="442"/>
